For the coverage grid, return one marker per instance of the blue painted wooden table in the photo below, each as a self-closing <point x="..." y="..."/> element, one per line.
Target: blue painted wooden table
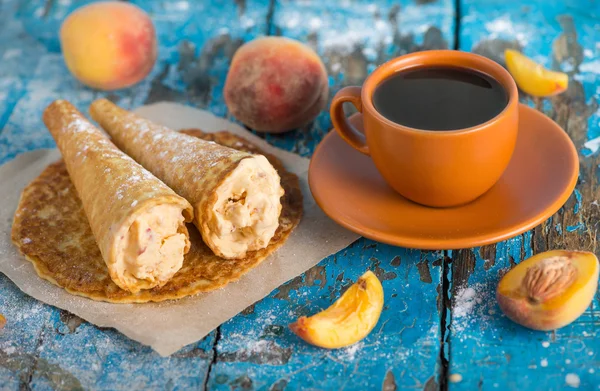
<point x="441" y="327"/>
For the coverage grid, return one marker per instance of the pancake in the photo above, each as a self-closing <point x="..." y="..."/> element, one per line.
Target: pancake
<point x="54" y="234"/>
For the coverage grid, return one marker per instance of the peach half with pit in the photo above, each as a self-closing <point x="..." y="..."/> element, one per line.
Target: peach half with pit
<point x="549" y="290"/>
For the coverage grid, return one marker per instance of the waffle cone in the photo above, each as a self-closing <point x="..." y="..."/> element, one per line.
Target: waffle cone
<point x="192" y="167"/>
<point x="114" y="190"/>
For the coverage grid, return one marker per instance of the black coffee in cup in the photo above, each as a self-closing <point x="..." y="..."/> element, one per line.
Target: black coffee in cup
<point x="439" y="98"/>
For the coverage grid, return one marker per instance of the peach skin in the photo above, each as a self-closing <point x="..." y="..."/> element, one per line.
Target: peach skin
<point x="410" y="159"/>
<point x="276" y="84"/>
<point x="108" y="45"/>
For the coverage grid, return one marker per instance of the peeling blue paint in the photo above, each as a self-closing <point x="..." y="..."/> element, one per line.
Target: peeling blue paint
<point x="527" y="236"/>
<point x="586" y="152"/>
<point x="578" y="201"/>
<point x="486" y="349"/>
<point x="573" y="228"/>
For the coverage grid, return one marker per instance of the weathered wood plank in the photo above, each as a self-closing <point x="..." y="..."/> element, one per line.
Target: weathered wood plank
<point x="486" y="349"/>
<point x="197" y="41"/>
<point x="353" y="37"/>
<point x="19" y="56"/>
<point x="256" y="350"/>
<point x="20" y="340"/>
<point x="74" y="353"/>
<point x="41" y="346"/>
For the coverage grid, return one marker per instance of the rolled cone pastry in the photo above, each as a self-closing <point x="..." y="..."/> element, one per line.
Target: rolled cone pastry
<point x="138" y="222"/>
<point x="235" y="195"/>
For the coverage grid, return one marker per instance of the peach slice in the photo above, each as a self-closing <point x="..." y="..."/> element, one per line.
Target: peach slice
<point x="549" y="290"/>
<point x="532" y="77"/>
<point x="2" y="321"/>
<point x="350" y="319"/>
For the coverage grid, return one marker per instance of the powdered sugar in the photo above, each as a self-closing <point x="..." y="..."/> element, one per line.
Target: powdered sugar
<point x="89" y="154"/>
<point x="572" y="380"/>
<point x="472" y="305"/>
<point x="260" y="347"/>
<point x="349" y="353"/>
<point x="78" y="125"/>
<point x="465" y="301"/>
<point x="179" y="148"/>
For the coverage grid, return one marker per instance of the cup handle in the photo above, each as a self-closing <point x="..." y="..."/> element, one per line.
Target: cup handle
<point x="346" y="131"/>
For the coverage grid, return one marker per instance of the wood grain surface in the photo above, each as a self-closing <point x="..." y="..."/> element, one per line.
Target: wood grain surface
<point x="441" y="327"/>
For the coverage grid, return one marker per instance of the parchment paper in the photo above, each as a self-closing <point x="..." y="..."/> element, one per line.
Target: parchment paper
<point x="168" y="326"/>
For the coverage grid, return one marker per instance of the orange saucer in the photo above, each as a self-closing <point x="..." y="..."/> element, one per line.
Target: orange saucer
<point x="538" y="181"/>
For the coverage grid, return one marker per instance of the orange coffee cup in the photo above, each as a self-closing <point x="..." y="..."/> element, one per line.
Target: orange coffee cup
<point x="433" y="168"/>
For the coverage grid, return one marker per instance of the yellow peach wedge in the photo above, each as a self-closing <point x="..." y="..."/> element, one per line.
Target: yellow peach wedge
<point x="549" y="290"/>
<point x="532" y="77"/>
<point x="350" y="319"/>
<point x="2" y="321"/>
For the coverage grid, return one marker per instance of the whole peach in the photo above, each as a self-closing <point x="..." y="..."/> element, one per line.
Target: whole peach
<point x="276" y="84"/>
<point x="108" y="45"/>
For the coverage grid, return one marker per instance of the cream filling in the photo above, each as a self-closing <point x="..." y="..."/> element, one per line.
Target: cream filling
<point x="152" y="249"/>
<point x="246" y="214"/>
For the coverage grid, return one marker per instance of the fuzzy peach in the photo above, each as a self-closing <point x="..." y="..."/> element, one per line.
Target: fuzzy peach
<point x="549" y="290"/>
<point x="276" y="84"/>
<point x="108" y="45"/>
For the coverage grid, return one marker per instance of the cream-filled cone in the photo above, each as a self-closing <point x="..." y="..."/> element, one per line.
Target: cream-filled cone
<point x="138" y="222"/>
<point x="236" y="195"/>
